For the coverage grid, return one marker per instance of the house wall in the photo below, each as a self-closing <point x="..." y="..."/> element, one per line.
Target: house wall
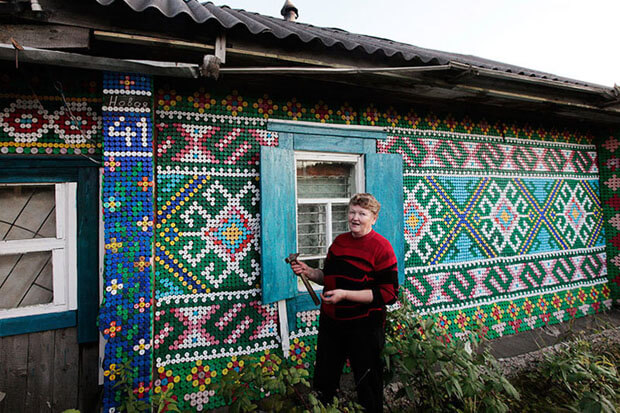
<point x="503" y="226"/>
<point x="48" y="372"/>
<point x="201" y="296"/>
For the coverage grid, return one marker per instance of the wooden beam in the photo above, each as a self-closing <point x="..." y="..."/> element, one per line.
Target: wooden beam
<point x="151" y="41"/>
<point x="64" y="59"/>
<point x="46" y="36"/>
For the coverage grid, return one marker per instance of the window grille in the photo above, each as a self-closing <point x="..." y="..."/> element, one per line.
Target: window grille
<point x="325" y="183"/>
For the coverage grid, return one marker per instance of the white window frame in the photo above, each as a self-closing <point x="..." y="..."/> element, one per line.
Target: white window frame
<point x="64" y="253"/>
<point x="358" y="161"/>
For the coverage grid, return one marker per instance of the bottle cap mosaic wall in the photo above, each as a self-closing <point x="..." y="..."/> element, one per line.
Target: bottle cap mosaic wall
<point x="503" y="227"/>
<point x="504" y="221"/>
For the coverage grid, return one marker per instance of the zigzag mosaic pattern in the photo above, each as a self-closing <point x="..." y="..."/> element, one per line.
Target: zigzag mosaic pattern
<point x="501" y="155"/>
<point x="456" y="218"/>
<point x="435" y="285"/>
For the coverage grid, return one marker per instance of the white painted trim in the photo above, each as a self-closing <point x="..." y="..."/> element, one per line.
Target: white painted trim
<point x="71" y="244"/>
<point x="359" y="186"/>
<point x="60" y="196"/>
<point x="327" y="125"/>
<point x="360" y="176"/>
<point x="284" y="333"/>
<point x="323" y="200"/>
<point x="37" y="309"/>
<point x="327" y="156"/>
<point x="30" y="245"/>
<point x="328" y="223"/>
<point x="59" y="278"/>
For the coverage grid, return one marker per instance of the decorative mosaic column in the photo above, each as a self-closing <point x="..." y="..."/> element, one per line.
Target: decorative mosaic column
<point x="609" y="156"/>
<point x="125" y="317"/>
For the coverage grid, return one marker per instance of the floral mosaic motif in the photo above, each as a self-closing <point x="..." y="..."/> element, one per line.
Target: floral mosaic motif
<point x="125" y="313"/>
<point x="236" y="104"/>
<point x="510" y="316"/>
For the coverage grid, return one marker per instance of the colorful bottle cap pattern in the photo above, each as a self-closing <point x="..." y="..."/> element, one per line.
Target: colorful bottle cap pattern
<point x="508" y="226"/>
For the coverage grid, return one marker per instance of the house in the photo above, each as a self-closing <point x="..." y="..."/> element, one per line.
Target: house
<point x="186" y="149"/>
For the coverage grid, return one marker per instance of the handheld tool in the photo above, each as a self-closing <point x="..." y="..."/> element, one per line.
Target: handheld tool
<point x="292" y="258"/>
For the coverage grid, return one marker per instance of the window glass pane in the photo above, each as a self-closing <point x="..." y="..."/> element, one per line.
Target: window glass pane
<point x="339" y="219"/>
<point x="27" y="211"/>
<point x="324" y="179"/>
<point x="311" y="229"/>
<point x="26" y="279"/>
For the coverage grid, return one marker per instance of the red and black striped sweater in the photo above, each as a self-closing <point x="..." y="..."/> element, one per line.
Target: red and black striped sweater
<point x="361" y="263"/>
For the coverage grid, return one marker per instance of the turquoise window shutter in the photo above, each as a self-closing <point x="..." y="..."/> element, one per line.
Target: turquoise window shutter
<point x="384" y="179"/>
<point x="277" y="222"/>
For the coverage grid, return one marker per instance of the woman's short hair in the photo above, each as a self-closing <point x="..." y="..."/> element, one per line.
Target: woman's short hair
<point x="366" y="201"/>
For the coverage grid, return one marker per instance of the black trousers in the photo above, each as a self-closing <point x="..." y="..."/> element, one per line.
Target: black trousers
<point x="360" y="341"/>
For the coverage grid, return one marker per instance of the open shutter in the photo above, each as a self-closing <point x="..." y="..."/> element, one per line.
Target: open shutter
<point x="384" y="179"/>
<point x="277" y="222"/>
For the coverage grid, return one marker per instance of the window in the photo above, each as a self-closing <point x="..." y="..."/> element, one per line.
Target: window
<point x="49" y="245"/>
<point x="325" y="182"/>
<point x="311" y="175"/>
<point x="37" y="249"/>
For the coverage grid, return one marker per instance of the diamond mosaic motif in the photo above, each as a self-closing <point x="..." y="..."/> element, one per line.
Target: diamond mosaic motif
<point x="504" y="217"/>
<point x="233" y="234"/>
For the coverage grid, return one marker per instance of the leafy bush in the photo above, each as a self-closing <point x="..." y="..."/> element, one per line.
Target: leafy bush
<point x="159" y="403"/>
<point x="272" y="385"/>
<point x="573" y="377"/>
<point x="438" y="374"/>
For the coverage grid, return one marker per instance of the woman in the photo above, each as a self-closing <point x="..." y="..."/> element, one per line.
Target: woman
<point x="360" y="277"/>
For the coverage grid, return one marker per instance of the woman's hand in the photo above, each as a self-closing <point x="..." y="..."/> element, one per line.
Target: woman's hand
<point x="334" y="296"/>
<point x="300" y="267"/>
<point x="337" y="295"/>
<point x="313" y="274"/>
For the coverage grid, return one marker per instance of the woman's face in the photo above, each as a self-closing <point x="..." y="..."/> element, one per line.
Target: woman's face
<point x="361" y="220"/>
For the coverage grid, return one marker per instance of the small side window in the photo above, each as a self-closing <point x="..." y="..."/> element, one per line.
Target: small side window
<point x="37" y="249"/>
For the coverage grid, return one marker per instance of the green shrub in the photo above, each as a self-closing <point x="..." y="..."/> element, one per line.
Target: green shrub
<point x="438" y="374"/>
<point x="573" y="377"/>
<point x="273" y="385"/>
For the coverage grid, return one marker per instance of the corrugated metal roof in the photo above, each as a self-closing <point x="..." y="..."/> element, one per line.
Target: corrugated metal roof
<point x="330" y="37"/>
